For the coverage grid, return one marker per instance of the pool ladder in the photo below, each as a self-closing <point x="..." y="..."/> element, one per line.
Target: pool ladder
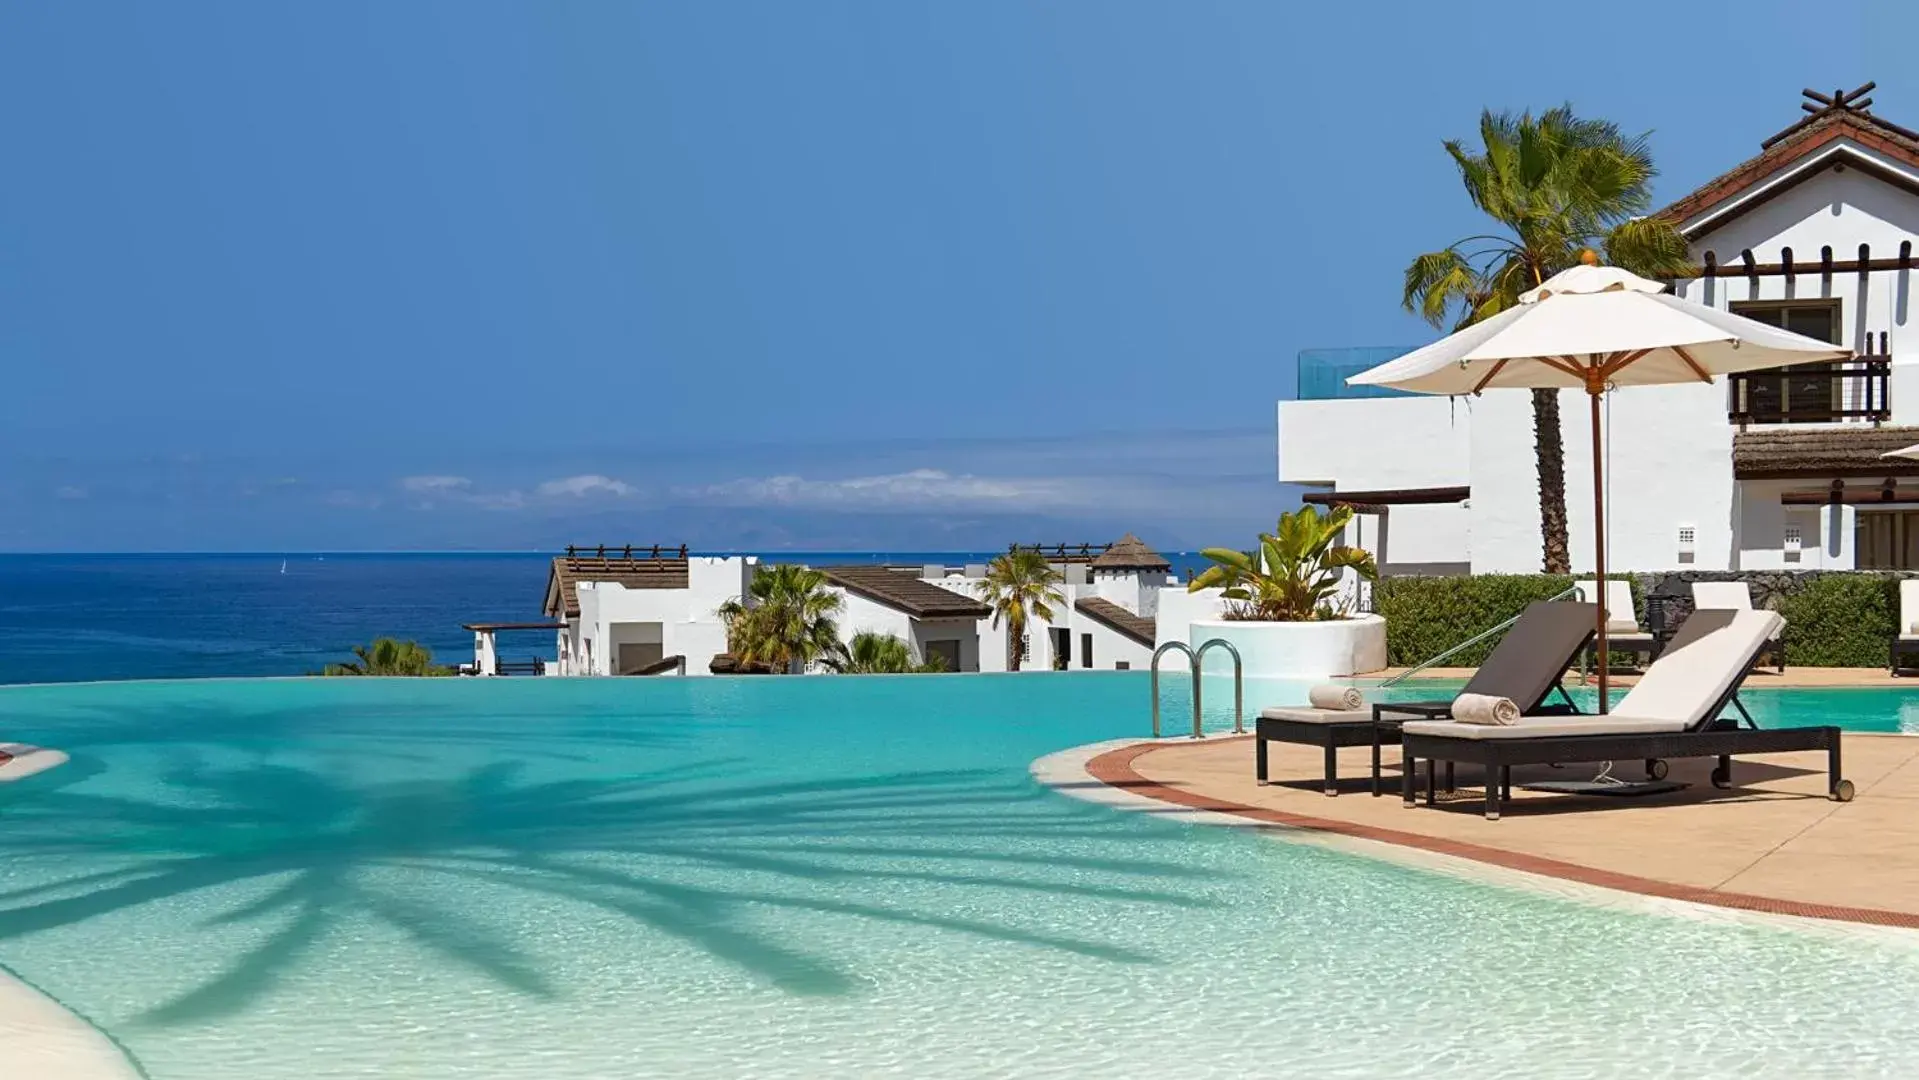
<point x="1195" y="659"/>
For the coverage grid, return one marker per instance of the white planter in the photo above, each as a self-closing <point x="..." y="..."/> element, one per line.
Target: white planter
<point x="1299" y="650"/>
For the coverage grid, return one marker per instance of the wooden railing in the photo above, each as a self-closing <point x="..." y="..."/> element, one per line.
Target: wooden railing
<point x="1857" y="389"/>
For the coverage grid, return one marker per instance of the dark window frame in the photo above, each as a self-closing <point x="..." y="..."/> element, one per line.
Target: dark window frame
<point x="1775" y="404"/>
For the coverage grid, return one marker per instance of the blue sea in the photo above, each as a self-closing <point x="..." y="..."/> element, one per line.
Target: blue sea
<point x="66" y="618"/>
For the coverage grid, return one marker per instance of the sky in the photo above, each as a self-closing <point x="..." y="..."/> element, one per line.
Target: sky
<point x="780" y="274"/>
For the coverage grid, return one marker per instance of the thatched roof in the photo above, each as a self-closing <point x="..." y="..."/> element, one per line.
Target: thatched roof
<point x="904" y="591"/>
<point x="667" y="571"/>
<point x="1129" y="552"/>
<point x="1822" y="452"/>
<point x="1138" y="627"/>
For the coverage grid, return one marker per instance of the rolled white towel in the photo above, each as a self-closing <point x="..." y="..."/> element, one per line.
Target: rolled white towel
<point x="1485" y="709"/>
<point x="1336" y="698"/>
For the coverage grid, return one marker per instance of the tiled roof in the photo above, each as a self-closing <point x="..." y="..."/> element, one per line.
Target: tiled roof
<point x="1138" y="627"/>
<point x="639" y="572"/>
<point x="1822" y="452"/>
<point x="905" y="591"/>
<point x="1795" y="145"/>
<point x="1129" y="552"/>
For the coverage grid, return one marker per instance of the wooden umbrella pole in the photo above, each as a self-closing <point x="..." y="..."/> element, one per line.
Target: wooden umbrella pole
<point x="1594" y="387"/>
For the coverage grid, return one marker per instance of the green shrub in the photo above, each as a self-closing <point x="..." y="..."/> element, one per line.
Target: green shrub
<point x="1840" y="620"/>
<point x="1425" y="616"/>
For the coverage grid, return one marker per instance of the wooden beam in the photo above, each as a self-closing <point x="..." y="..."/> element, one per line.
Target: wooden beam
<point x="1389" y="497"/>
<point x="1886" y="494"/>
<point x="1711" y="268"/>
<point x="1490" y="375"/>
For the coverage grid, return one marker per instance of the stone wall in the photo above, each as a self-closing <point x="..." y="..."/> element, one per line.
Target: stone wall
<point x="1668" y="593"/>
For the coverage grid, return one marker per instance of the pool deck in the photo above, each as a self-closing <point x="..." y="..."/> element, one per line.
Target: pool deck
<point x="1760" y="679"/>
<point x="1773" y="844"/>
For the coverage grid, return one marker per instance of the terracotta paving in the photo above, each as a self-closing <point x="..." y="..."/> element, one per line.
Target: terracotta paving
<point x="1773" y="843"/>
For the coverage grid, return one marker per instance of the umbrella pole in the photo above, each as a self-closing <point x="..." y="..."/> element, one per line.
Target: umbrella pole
<point x="1599" y="544"/>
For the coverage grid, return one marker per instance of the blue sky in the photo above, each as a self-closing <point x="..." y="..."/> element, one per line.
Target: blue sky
<point x="814" y="274"/>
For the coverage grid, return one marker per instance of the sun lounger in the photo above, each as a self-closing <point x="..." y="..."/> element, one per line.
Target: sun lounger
<point x="1905" y="637"/>
<point x="1736" y="596"/>
<point x="1673" y="712"/>
<point x="1525" y="667"/>
<point x="1623" y="632"/>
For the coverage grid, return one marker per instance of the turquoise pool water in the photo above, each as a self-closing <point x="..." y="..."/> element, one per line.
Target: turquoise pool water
<point x="564" y="879"/>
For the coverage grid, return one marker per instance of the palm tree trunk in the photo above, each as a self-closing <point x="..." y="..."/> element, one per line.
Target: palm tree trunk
<point x="1549" y="450"/>
<point x="1015" y="630"/>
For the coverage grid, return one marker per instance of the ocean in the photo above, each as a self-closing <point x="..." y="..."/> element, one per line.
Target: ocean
<point x="69" y="618"/>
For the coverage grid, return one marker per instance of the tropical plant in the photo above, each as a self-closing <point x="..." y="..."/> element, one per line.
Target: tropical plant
<point x="1293" y="574"/>
<point x="882" y="654"/>
<point x="1019" y="585"/>
<point x="1557" y="187"/>
<point x="389" y="656"/>
<point x="784" y="621"/>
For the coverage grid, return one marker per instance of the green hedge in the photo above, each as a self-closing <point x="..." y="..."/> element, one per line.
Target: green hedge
<point x="1425" y="616"/>
<point x="1833" y="619"/>
<point x="1840" y="620"/>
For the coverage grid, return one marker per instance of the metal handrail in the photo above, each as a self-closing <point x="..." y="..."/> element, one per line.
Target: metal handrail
<point x="1191" y="658"/>
<point x="1469" y="642"/>
<point x="1239" y="683"/>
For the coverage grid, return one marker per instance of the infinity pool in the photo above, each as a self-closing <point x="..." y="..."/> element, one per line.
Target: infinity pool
<point x="812" y="877"/>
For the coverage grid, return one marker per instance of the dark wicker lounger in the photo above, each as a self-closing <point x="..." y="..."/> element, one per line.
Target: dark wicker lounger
<point x="1673" y="712"/>
<point x="1526" y="667"/>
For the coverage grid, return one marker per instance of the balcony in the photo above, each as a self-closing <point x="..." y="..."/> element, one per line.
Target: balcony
<point x="1857" y="389"/>
<point x="1323" y="372"/>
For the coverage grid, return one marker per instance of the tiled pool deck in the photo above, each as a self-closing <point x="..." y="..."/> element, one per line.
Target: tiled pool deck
<point x="1773" y="844"/>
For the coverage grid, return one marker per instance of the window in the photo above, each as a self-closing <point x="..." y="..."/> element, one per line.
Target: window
<point x="1887" y="540"/>
<point x="1086" y="650"/>
<point x="1798" y="393"/>
<point x="945" y="650"/>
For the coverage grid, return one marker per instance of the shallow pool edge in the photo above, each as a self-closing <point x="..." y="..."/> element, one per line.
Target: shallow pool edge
<point x="1066" y="772"/>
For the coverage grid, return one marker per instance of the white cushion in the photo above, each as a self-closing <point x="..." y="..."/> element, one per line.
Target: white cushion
<point x="1306" y="714"/>
<point x="1534" y="727"/>
<point x="1722" y="595"/>
<point x="1620" y="617"/>
<point x="1909" y="605"/>
<point x="1685" y="682"/>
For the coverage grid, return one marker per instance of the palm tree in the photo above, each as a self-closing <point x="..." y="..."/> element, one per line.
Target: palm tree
<point x="1017" y="584"/>
<point x="785" y="620"/>
<point x="882" y="654"/>
<point x="388" y="656"/>
<point x="1557" y="187"/>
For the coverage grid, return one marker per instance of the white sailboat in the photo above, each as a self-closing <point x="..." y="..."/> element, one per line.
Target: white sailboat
<point x="283" y="566"/>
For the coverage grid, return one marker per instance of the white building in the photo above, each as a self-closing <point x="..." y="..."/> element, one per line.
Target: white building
<point x="634" y="611"/>
<point x="640" y="611"/>
<point x="1774" y="470"/>
<point x="933" y="621"/>
<point x="1111" y="618"/>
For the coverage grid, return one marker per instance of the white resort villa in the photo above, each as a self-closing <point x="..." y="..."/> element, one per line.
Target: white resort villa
<point x="1775" y="470"/>
<point x="655" y="610"/>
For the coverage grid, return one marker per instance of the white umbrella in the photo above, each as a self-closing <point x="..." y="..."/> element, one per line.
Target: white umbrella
<point x="1595" y="328"/>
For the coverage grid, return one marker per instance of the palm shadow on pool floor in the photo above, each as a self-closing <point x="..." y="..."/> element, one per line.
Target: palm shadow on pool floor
<point x="692" y="852"/>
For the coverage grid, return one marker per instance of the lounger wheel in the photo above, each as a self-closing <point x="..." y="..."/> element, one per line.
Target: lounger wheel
<point x="1656" y="768"/>
<point x="1842" y="791"/>
<point x="1721" y="777"/>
